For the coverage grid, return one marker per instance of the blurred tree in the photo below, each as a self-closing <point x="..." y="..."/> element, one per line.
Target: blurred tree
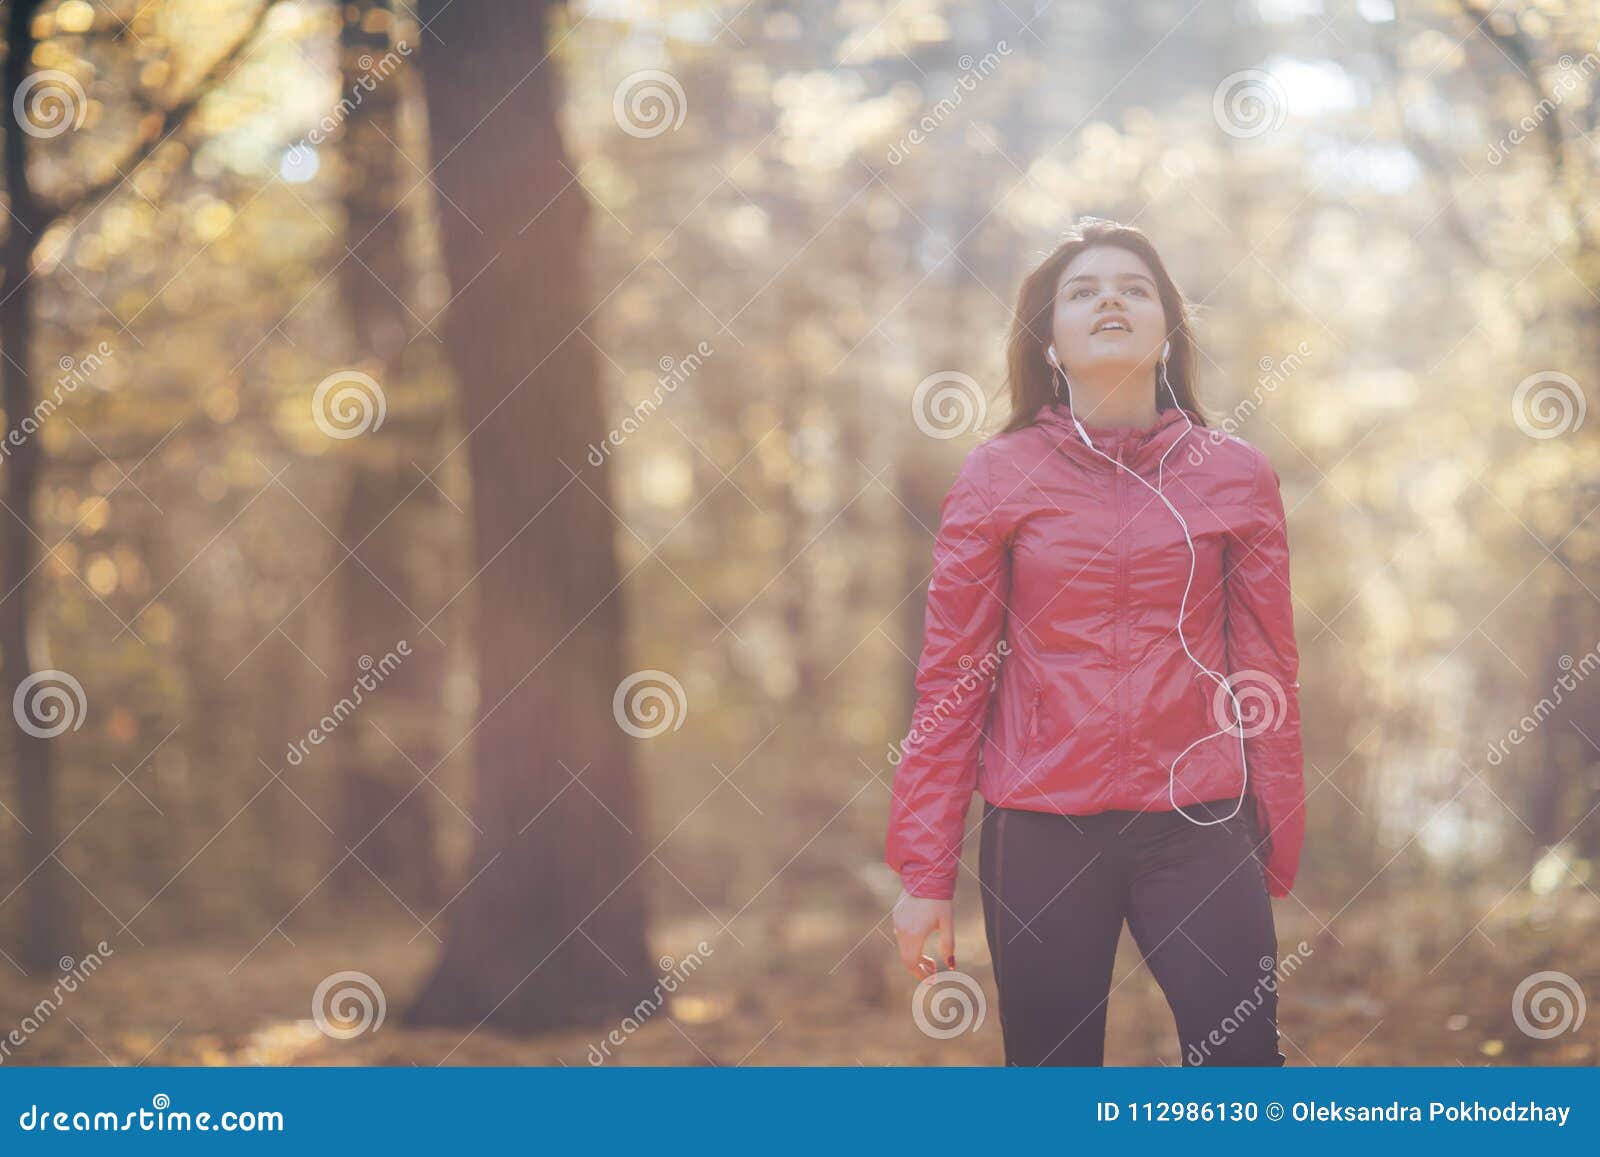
<point x="24" y="650"/>
<point x="381" y="814"/>
<point x="47" y="927"/>
<point x="550" y="927"/>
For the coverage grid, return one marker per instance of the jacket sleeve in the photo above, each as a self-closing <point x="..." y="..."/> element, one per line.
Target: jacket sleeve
<point x="1263" y="653"/>
<point x="964" y="620"/>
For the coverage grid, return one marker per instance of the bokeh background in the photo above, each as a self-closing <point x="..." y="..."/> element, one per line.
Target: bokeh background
<point x="470" y="473"/>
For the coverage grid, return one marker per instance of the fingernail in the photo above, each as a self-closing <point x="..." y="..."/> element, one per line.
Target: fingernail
<point x="950" y="961"/>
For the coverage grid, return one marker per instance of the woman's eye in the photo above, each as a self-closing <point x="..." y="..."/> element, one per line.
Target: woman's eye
<point x="1083" y="289"/>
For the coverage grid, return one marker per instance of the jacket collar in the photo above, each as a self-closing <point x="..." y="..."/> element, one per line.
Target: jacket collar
<point x="1140" y="445"/>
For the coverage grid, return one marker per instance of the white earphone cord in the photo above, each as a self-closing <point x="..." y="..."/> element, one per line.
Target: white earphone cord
<point x="1221" y="679"/>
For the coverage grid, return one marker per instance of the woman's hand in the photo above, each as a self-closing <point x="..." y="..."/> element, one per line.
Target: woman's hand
<point x="914" y="919"/>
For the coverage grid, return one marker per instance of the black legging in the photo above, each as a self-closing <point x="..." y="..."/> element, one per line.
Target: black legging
<point x="1056" y="890"/>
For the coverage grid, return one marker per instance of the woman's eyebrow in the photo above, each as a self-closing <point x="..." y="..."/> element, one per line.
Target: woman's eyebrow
<point x="1094" y="277"/>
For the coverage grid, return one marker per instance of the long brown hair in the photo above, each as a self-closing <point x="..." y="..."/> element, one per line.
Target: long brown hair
<point x="1029" y="378"/>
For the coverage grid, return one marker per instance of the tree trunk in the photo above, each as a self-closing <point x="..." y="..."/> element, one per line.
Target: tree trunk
<point x="381" y="812"/>
<point x="553" y="930"/>
<point x="47" y="924"/>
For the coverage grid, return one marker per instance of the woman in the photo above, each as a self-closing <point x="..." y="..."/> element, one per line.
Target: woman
<point x="1119" y="577"/>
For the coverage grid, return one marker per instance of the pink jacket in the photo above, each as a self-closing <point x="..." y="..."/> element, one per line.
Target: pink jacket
<point x="1052" y="677"/>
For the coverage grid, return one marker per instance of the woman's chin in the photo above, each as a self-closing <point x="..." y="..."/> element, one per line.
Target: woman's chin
<point x="1111" y="363"/>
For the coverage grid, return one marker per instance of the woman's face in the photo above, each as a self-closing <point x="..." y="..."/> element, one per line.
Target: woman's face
<point x="1108" y="318"/>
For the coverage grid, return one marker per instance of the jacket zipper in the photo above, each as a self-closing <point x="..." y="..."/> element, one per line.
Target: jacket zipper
<point x="1120" y="600"/>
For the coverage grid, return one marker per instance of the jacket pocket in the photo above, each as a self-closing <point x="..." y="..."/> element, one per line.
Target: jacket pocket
<point x="1031" y="732"/>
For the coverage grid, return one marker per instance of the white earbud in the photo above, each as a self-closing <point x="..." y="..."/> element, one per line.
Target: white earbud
<point x="1050" y="354"/>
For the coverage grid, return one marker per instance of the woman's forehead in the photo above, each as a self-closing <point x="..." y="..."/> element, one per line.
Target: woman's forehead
<point x="1105" y="261"/>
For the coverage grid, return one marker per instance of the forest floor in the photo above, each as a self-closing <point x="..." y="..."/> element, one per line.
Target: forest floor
<point x="1413" y="982"/>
